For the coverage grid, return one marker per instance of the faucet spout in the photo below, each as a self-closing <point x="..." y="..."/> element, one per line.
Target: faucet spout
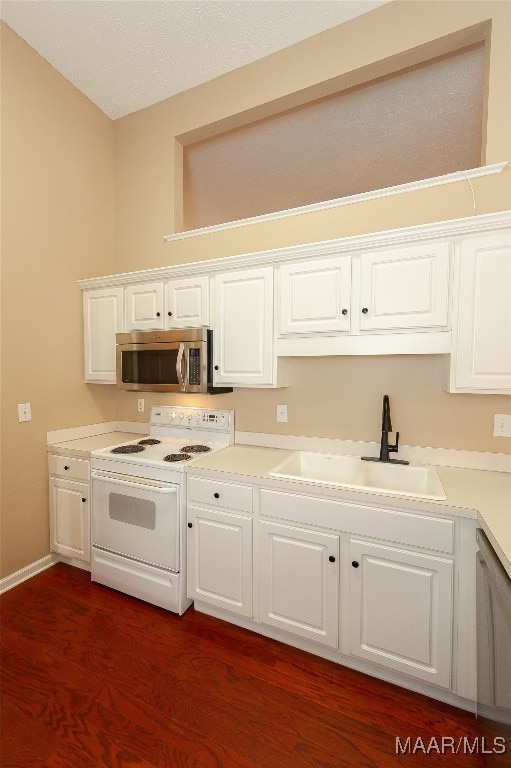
<point x="385" y="447"/>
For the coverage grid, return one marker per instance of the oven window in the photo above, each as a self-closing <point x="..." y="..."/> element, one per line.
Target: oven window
<point x="129" y="509"/>
<point x="152" y="366"/>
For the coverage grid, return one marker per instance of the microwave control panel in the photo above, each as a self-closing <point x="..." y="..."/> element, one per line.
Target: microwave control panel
<point x="194" y="367"/>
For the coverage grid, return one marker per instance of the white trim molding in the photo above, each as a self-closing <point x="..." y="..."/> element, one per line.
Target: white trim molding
<point x="411" y="186"/>
<point x="26" y="573"/>
<point x="465" y="227"/>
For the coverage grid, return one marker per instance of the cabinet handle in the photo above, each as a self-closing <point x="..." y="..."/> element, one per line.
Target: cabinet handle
<point x="83" y="499"/>
<point x="66" y="467"/>
<point x="157" y="314"/>
<point x="355" y="564"/>
<point x="344" y="311"/>
<point x="190" y="525"/>
<point x="169" y="314"/>
<point x="364" y="310"/>
<point x="332" y="559"/>
<point x="216" y="495"/>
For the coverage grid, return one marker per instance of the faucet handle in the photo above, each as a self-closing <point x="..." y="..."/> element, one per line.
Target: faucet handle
<point x="395" y="448"/>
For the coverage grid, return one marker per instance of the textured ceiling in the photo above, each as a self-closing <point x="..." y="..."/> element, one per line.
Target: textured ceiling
<point x="128" y="54"/>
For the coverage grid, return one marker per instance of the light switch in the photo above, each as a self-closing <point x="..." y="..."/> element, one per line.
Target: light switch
<point x="24" y="412"/>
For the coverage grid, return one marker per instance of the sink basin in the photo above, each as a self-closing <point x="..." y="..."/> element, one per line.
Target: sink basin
<point x="351" y="472"/>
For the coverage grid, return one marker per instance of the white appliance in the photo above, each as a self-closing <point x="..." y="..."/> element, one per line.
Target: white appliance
<point x="139" y="503"/>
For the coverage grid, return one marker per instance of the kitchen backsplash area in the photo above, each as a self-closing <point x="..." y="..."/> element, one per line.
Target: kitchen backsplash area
<point x="340" y="398"/>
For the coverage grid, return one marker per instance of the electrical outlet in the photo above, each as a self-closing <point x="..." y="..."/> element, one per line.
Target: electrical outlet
<point x="24" y="412"/>
<point x="281" y="412"/>
<point x="502" y="425"/>
<point x="141" y="405"/>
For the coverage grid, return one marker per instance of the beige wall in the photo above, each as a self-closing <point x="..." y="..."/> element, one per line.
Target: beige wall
<point x="64" y="165"/>
<point x="57" y="227"/>
<point x="331" y="397"/>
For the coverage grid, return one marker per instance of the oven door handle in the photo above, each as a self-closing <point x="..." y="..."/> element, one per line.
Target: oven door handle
<point x="179" y="367"/>
<point x="153" y="485"/>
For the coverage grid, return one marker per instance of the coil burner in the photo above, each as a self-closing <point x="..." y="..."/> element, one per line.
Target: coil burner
<point x="195" y="449"/>
<point x="177" y="457"/>
<point x="149" y="441"/>
<point x="128" y="449"/>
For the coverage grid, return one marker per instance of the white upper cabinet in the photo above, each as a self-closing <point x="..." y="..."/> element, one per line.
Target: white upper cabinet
<point x="315" y="296"/>
<point x="187" y="302"/>
<point x="182" y="303"/>
<point x="145" y="309"/>
<point x="404" y="288"/>
<point x="481" y="357"/>
<point x="243" y="328"/>
<point x="103" y="315"/>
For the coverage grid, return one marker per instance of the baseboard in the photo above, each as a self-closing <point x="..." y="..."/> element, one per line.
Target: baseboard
<point x="26" y="573"/>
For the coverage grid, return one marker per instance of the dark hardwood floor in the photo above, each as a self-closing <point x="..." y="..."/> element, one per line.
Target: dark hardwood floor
<point x="92" y="678"/>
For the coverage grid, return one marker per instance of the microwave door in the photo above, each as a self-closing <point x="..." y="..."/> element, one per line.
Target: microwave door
<point x="150" y="367"/>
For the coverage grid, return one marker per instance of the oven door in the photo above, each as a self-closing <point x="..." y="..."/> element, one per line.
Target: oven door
<point x="139" y="519"/>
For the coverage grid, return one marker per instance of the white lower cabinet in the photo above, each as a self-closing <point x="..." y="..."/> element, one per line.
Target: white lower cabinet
<point x="391" y="589"/>
<point x="220" y="559"/>
<point x="70" y="506"/>
<point x="401" y="608"/>
<point x="299" y="581"/>
<point x="220" y="544"/>
<point x="70" y="518"/>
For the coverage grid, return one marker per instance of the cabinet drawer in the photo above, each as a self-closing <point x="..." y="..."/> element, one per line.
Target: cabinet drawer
<point x="64" y="466"/>
<point x="214" y="493"/>
<point x="416" y="530"/>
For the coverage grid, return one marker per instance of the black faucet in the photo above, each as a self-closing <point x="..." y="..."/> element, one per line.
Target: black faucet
<point x="385" y="448"/>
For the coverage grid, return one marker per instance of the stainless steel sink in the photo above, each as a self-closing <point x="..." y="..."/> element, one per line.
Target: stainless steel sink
<point x="351" y="472"/>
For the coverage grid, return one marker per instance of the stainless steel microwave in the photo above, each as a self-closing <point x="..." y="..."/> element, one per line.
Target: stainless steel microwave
<point x="166" y="361"/>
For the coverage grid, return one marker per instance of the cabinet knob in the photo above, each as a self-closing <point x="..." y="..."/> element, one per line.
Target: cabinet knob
<point x="190" y="525"/>
<point x="216" y="367"/>
<point x="169" y="314"/>
<point x="331" y="559"/>
<point x="216" y="495"/>
<point x="355" y="564"/>
<point x="157" y="314"/>
<point x="344" y="311"/>
<point x="84" y="499"/>
<point x="364" y="310"/>
<point x="66" y="467"/>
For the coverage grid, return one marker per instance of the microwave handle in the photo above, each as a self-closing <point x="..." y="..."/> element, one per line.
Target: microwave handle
<point x="179" y="367"/>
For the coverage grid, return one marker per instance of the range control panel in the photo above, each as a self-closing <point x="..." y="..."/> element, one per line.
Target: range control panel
<point x="192" y="418"/>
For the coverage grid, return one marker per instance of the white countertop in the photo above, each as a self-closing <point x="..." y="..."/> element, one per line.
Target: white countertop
<point x="82" y="447"/>
<point x="472" y="493"/>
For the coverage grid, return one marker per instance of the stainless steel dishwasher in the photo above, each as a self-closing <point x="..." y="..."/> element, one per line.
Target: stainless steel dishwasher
<point x="493" y="655"/>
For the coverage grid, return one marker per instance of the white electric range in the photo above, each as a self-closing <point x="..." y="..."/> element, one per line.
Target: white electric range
<point x="139" y="503"/>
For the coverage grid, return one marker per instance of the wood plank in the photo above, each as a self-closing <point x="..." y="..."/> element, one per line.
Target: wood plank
<point x="93" y="678"/>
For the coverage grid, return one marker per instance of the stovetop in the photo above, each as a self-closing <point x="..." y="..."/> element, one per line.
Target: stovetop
<point x="178" y="437"/>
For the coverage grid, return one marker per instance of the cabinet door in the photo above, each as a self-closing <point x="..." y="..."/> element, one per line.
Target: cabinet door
<point x="405" y="288"/>
<point x="220" y="559"/>
<point x="243" y="329"/>
<point x="70" y="518"/>
<point x="187" y="303"/>
<point x="482" y="339"/>
<point x="145" y="307"/>
<point x="315" y="296"/>
<point x="299" y="581"/>
<point x="401" y="610"/>
<point x="102" y="315"/>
